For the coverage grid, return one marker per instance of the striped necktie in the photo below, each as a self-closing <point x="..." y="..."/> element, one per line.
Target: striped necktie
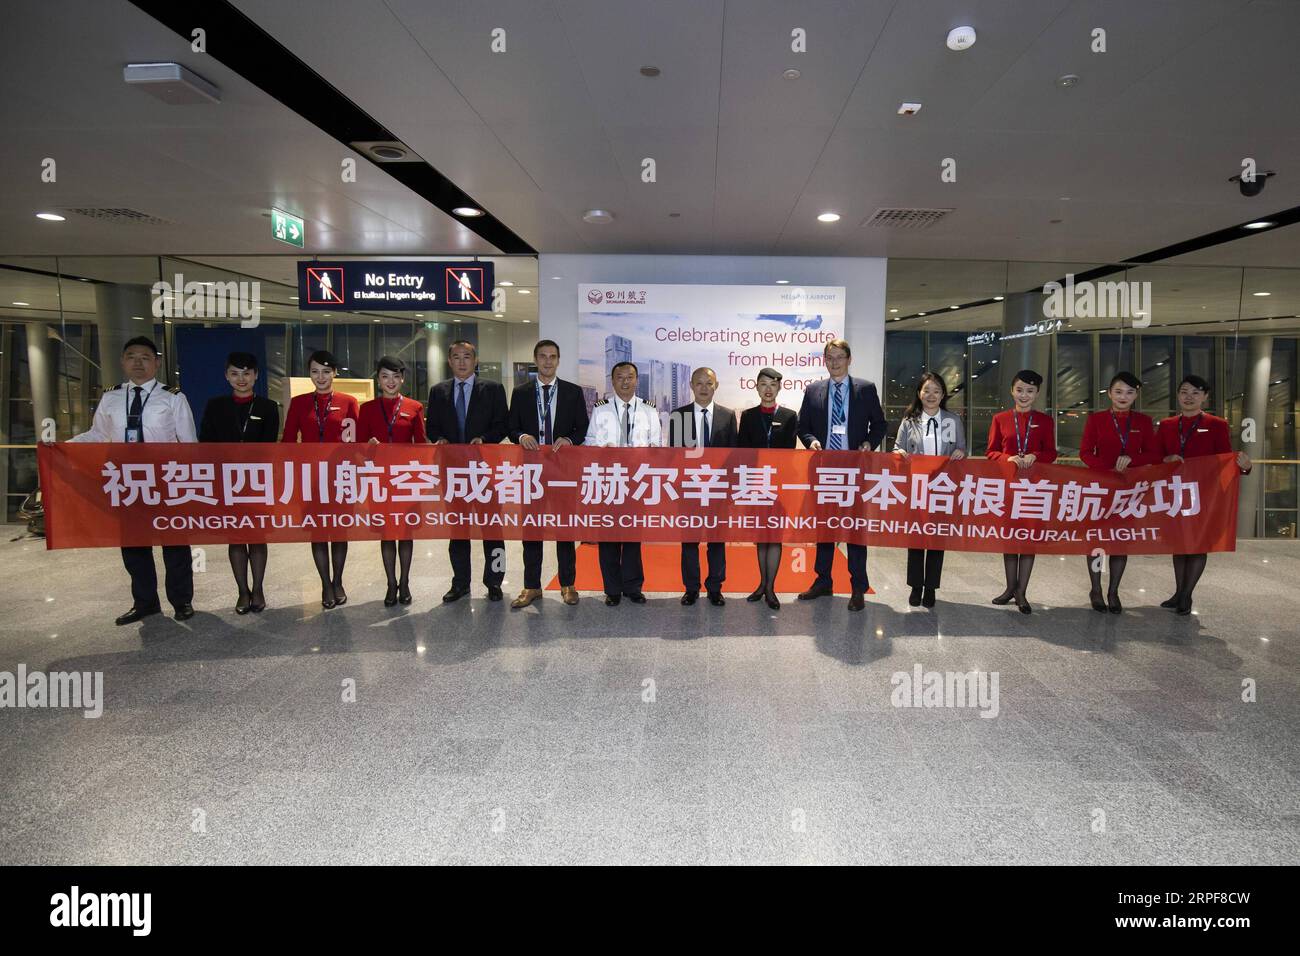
<point x="836" y="442"/>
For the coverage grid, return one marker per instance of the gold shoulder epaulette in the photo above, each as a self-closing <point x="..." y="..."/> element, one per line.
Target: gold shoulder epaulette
<point x="174" y="389"/>
<point x="601" y="401"/>
<point x="113" y="388"/>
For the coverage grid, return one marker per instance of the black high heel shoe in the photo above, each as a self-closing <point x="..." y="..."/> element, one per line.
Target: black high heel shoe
<point x="243" y="603"/>
<point x="1171" y="603"/>
<point x="390" y="596"/>
<point x="1184" y="606"/>
<point x="1097" y="603"/>
<point x="772" y="600"/>
<point x="1004" y="598"/>
<point x="1113" y="605"/>
<point x="327" y="597"/>
<point x="258" y="603"/>
<point x="404" y="592"/>
<point x="340" y="596"/>
<point x="757" y="595"/>
<point x="1022" y="602"/>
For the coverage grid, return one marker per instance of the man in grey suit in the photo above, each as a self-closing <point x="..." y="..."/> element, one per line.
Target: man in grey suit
<point x="703" y="424"/>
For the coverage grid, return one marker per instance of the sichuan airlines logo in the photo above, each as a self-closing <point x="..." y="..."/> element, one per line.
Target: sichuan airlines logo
<point x="595" y="297"/>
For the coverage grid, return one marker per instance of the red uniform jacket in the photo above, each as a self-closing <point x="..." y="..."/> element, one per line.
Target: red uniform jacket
<point x="301" y="418"/>
<point x="406" y="415"/>
<point x="1102" y="444"/>
<point x="1037" y="425"/>
<point x="1206" y="435"/>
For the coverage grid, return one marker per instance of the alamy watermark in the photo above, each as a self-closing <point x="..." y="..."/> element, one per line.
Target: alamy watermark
<point x="208" y="300"/>
<point x="1098" y="300"/>
<point x="922" y="688"/>
<point x="73" y="689"/>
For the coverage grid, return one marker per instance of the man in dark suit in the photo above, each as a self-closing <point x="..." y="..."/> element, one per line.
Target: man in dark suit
<point x="466" y="409"/>
<point x="840" y="413"/>
<point x="703" y="424"/>
<point x="548" y="411"/>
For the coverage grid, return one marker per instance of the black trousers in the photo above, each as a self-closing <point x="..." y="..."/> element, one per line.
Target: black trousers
<point x="717" y="555"/>
<point x="857" y="565"/>
<point x="144" y="576"/>
<point x="924" y="568"/>
<point x="565" y="553"/>
<point x="458" y="551"/>
<point x="620" y="567"/>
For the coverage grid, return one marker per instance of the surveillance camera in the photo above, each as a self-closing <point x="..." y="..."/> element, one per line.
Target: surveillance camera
<point x="1254" y="186"/>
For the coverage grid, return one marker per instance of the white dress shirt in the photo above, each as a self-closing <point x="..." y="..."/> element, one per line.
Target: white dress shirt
<point x="166" y="416"/>
<point x="931" y="437"/>
<point x="605" y="428"/>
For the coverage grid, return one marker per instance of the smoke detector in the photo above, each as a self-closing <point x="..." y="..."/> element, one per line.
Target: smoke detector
<point x="961" y="38"/>
<point x="386" y="151"/>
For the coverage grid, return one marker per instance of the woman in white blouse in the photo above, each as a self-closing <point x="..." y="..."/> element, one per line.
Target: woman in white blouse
<point x="928" y="428"/>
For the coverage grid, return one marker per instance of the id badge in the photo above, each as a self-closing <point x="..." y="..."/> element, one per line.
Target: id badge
<point x="133" y="435"/>
<point x="134" y="429"/>
<point x="839" y="430"/>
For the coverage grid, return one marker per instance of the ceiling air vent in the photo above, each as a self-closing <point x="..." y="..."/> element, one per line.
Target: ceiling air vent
<point x="118" y="214"/>
<point x="905" y="218"/>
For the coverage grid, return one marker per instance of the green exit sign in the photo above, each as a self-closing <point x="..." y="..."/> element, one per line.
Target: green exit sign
<point x="288" y="228"/>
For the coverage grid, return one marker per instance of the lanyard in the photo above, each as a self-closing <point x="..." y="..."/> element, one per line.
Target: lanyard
<point x="1022" y="445"/>
<point x="143" y="403"/>
<point x="771" y="420"/>
<point x="1123" y="436"/>
<point x="392" y="420"/>
<point x="315" y="407"/>
<point x="248" y="414"/>
<point x="543" y="410"/>
<point x="1184" y="439"/>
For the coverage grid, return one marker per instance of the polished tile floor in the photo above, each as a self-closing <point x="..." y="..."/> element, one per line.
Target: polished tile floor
<point x="653" y="734"/>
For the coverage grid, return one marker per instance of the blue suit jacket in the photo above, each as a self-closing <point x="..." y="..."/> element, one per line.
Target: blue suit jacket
<point x="866" y="418"/>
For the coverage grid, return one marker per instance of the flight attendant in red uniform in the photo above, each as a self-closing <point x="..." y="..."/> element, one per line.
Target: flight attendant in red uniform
<point x="1023" y="437"/>
<point x="394" y="419"/>
<point x="1114" y="440"/>
<point x="321" y="416"/>
<point x="1190" y="434"/>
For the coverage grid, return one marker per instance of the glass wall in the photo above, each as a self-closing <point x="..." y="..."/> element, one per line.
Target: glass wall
<point x="960" y="318"/>
<point x="63" y="322"/>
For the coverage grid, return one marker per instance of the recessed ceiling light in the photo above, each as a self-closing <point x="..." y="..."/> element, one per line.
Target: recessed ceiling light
<point x="293" y="298"/>
<point x="525" y="291"/>
<point x="909" y="109"/>
<point x="1262" y="224"/>
<point x="961" y="38"/>
<point x="782" y="281"/>
<point x="998" y="298"/>
<point x="50" y="216"/>
<point x="526" y="320"/>
<point x="557" y="277"/>
<point x="505" y="282"/>
<point x="598" y="217"/>
<point x="893" y="310"/>
<point x="1253" y="293"/>
<point x="650" y="71"/>
<point x="791" y="74"/>
<point x="496" y="315"/>
<point x="22" y="303"/>
<point x="954" y="307"/>
<point x="828" y="217"/>
<point x="376" y="320"/>
<point x="1068" y="80"/>
<point x="469" y="212"/>
<point x="419" y="315"/>
<point x="138" y="318"/>
<point x="920" y="313"/>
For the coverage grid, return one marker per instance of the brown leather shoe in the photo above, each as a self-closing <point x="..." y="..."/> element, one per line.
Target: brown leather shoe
<point x="569" y="595"/>
<point x="526" y="597"/>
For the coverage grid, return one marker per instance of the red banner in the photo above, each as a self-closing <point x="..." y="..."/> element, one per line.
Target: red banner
<point x="149" y="494"/>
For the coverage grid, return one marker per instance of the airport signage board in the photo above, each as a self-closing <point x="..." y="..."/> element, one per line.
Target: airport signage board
<point x="395" y="286"/>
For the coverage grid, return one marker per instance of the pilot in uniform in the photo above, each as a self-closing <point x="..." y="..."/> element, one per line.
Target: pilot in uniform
<point x="143" y="409"/>
<point x="623" y="421"/>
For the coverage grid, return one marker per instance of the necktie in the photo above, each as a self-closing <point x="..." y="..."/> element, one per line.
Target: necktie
<point x="461" y="408"/>
<point x="136" y="405"/>
<point x="704" y="429"/>
<point x="622" y="428"/>
<point x="933" y="426"/>
<point x="546" y="415"/>
<point x="837" y="418"/>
